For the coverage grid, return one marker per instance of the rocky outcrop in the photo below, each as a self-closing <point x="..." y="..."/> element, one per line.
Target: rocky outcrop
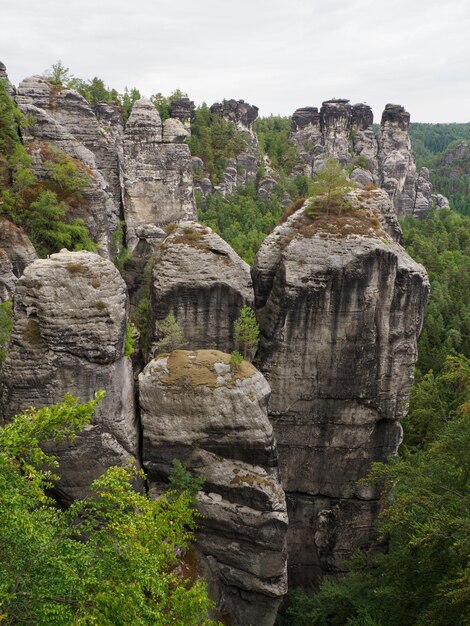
<point x="4" y="76"/>
<point x="199" y="278"/>
<point x="16" y="252"/>
<point x="157" y="171"/>
<point x="68" y="336"/>
<point x="95" y="205"/>
<point x="340" y="305"/>
<point x="242" y="169"/>
<point x="338" y="131"/>
<point x="196" y="408"/>
<point x="101" y="136"/>
<point x="344" y="132"/>
<point x="183" y="109"/>
<point x="410" y="194"/>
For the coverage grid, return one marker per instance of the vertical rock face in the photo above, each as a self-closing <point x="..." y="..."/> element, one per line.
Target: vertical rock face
<point x="340" y="315"/>
<point x="16" y="252"/>
<point x="64" y="121"/>
<point x="199" y="278"/>
<point x="338" y="131"/>
<point x="242" y="169"/>
<point x="183" y="110"/>
<point x="344" y="132"/>
<point x="410" y="194"/>
<point x="157" y="171"/>
<point x="75" y="114"/>
<point x="195" y="408"/>
<point x="68" y="336"/>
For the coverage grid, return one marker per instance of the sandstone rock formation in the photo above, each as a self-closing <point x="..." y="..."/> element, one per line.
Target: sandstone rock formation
<point x="63" y="121"/>
<point x="68" y="336"/>
<point x="199" y="278"/>
<point x="340" y="305"/>
<point x="344" y="132"/>
<point x="242" y="169"/>
<point x="16" y="252"/>
<point x="338" y="131"/>
<point x="195" y="408"/>
<point x="157" y="171"/>
<point x="410" y="194"/>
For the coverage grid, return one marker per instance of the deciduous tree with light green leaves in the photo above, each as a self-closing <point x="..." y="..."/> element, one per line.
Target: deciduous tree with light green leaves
<point x="111" y="559"/>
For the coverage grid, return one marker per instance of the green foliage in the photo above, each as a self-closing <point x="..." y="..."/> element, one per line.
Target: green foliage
<point x="330" y="186"/>
<point x="273" y="137"/>
<point x="214" y="140"/>
<point x="58" y="75"/>
<point x="42" y="209"/>
<point x="66" y="173"/>
<point x="171" y="335"/>
<point x="162" y="103"/>
<point x="246" y="332"/>
<point x="441" y="242"/>
<point x="130" y="340"/>
<point x="95" y="90"/>
<point x="6" y="324"/>
<point x="242" y="219"/>
<point x="236" y="359"/>
<point x="127" y="101"/>
<point x="424" y="576"/>
<point x="431" y="142"/>
<point x="45" y="222"/>
<point x="181" y="481"/>
<point x="110" y="559"/>
<point x="120" y="254"/>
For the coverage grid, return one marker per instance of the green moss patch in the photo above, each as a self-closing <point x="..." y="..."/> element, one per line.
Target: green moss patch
<point x="193" y="368"/>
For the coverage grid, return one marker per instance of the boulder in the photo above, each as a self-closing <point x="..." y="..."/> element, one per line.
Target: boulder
<point x="198" y="409"/>
<point x="198" y="277"/>
<point x="340" y="304"/>
<point x="69" y="329"/>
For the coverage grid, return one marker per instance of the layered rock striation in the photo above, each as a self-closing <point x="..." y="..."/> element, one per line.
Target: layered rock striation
<point x="68" y="336"/>
<point x="344" y="132"/>
<point x="196" y="408"/>
<point x="340" y="304"/>
<point x="198" y="277"/>
<point x="63" y="122"/>
<point x="157" y="172"/>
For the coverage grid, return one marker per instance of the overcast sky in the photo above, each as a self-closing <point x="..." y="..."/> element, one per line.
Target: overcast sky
<point x="278" y="55"/>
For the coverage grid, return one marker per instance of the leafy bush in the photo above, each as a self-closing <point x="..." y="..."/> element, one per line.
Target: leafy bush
<point x="236" y="359"/>
<point x="110" y="559"/>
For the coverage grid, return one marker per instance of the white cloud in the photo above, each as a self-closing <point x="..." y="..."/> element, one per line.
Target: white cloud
<point x="278" y="55"/>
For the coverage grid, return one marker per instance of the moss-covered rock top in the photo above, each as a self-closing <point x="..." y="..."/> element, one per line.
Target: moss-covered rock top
<point x="201" y="367"/>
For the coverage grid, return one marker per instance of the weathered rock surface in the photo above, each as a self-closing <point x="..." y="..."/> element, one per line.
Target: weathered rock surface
<point x="338" y="131"/>
<point x="16" y="252"/>
<point x="183" y="110"/>
<point x="410" y="194"/>
<point x="196" y="409"/>
<point x="199" y="278"/>
<point x="243" y="168"/>
<point x="68" y="336"/>
<point x="157" y="171"/>
<point x="340" y="305"/>
<point x="344" y="132"/>
<point x="17" y="246"/>
<point x="74" y="115"/>
<point x="97" y="206"/>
